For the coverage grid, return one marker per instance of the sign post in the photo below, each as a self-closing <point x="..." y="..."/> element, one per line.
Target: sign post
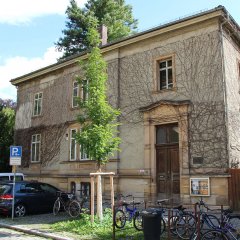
<point x="15" y="160"/>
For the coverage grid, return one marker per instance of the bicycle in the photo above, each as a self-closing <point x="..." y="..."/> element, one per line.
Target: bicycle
<point x="70" y="205"/>
<point x="125" y="213"/>
<point x="229" y="226"/>
<point x="182" y="223"/>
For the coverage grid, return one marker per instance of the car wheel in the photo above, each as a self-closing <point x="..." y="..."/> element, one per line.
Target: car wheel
<point x="20" y="210"/>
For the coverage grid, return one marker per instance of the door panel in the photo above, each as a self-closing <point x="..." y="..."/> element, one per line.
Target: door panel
<point x="168" y="178"/>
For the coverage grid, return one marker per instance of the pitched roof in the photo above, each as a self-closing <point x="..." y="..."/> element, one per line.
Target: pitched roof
<point x="219" y="11"/>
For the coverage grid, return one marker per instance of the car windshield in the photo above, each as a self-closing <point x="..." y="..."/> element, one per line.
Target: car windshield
<point x="5" y="188"/>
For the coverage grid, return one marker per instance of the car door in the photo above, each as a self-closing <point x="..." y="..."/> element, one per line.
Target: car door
<point x="32" y="196"/>
<point x="50" y="195"/>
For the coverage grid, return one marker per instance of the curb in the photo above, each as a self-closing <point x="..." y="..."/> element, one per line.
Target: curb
<point x="34" y="232"/>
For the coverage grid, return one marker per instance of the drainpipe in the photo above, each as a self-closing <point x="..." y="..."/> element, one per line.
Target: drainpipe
<point x="118" y="106"/>
<point x="224" y="85"/>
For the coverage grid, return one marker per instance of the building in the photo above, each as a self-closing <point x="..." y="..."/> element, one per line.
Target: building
<point x="177" y="86"/>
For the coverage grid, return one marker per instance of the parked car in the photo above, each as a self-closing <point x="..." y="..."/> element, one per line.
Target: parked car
<point x="30" y="197"/>
<point x="10" y="176"/>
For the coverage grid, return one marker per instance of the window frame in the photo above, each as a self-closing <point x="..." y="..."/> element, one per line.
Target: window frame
<point x="83" y="187"/>
<point x="73" y="96"/>
<point x="70" y="145"/>
<point x="84" y="95"/>
<point x="157" y="81"/>
<point x="37" y="103"/>
<point x="34" y="143"/>
<point x="80" y="154"/>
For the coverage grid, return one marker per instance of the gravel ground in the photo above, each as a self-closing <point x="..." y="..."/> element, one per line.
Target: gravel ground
<point x="39" y="223"/>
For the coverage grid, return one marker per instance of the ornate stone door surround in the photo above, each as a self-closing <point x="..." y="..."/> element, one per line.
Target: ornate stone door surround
<point x="166" y="112"/>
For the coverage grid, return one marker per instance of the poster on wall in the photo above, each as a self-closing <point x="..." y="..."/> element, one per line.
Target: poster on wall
<point x="199" y="187"/>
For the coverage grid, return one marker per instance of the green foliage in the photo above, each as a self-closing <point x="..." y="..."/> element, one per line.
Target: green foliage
<point x="7" y="119"/>
<point x="101" y="230"/>
<point x="114" y="14"/>
<point x="98" y="119"/>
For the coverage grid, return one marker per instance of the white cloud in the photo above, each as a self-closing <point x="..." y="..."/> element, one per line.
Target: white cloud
<point x="18" y="66"/>
<point x="22" y="11"/>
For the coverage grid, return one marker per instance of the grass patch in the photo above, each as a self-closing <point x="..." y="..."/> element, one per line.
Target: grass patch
<point x="97" y="230"/>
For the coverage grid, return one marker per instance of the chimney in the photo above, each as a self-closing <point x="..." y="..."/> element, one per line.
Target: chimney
<point x="103" y="34"/>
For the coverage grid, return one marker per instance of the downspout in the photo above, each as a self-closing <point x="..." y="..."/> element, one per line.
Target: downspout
<point x="224" y="86"/>
<point x="118" y="106"/>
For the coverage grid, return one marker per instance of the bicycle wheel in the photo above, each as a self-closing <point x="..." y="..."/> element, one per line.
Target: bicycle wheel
<point x="56" y="207"/>
<point x="185" y="225"/>
<point x="214" y="234"/>
<point x="120" y="219"/>
<point x="74" y="208"/>
<point x="163" y="225"/>
<point x="138" y="222"/>
<point x="234" y="226"/>
<point x="172" y="224"/>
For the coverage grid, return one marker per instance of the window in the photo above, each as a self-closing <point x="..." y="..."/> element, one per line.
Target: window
<point x="75" y="94"/>
<point x="85" y="189"/>
<point x="73" y="188"/>
<point x="83" y="153"/>
<point x="35" y="148"/>
<point x="167" y="134"/>
<point x="77" y="152"/>
<point x="73" y="144"/>
<point x="84" y="90"/>
<point x="165" y="74"/>
<point x="37" y="104"/>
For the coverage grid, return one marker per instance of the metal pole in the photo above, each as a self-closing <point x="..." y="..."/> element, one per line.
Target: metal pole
<point x="13" y="189"/>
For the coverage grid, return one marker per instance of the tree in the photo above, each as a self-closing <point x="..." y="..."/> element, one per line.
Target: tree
<point x="114" y="14"/>
<point x="98" y="119"/>
<point x="7" y="119"/>
<point x="8" y="103"/>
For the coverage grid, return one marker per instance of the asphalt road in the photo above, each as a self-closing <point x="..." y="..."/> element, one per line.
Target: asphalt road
<point x="8" y="234"/>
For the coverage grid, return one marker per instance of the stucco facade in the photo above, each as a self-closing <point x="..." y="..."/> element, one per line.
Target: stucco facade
<point x="202" y="103"/>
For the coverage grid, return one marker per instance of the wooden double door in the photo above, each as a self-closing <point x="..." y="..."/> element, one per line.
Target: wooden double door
<point x="167" y="160"/>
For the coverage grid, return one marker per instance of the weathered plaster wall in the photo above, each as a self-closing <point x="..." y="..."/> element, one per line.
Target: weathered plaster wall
<point x="196" y="52"/>
<point x="231" y="53"/>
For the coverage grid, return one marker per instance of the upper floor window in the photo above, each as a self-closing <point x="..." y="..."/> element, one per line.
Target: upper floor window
<point x="84" y="90"/>
<point x="165" y="74"/>
<point x="73" y="145"/>
<point x="35" y="148"/>
<point x="37" y="110"/>
<point x="75" y="94"/>
<point x="83" y="153"/>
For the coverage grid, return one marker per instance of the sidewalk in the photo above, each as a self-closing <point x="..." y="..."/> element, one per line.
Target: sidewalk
<point x="39" y="225"/>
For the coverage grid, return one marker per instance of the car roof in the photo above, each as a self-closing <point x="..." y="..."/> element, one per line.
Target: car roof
<point x="24" y="181"/>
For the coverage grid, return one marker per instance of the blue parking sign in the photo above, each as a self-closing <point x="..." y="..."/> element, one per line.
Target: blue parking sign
<point x="15" y="151"/>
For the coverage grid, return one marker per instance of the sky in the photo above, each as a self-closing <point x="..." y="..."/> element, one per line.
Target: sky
<point x="29" y="30"/>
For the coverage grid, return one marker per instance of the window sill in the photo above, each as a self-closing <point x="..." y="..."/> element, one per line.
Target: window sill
<point x="37" y="116"/>
<point x="77" y="161"/>
<point x="174" y="89"/>
<point x="74" y="108"/>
